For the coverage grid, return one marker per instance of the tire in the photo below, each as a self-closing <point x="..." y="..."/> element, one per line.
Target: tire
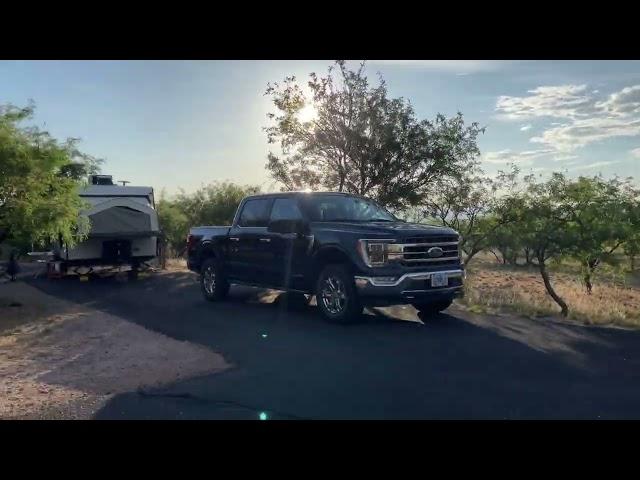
<point x="294" y="301"/>
<point x="336" y="295"/>
<point x="433" y="308"/>
<point x="132" y="274"/>
<point x="213" y="289"/>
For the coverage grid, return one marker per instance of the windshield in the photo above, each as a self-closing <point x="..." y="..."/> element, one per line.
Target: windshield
<point x="342" y="208"/>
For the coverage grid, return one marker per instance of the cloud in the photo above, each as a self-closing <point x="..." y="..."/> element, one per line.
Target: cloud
<point x="524" y="128"/>
<point x="595" y="165"/>
<point x="587" y="118"/>
<point x="564" y="101"/>
<point x="623" y="103"/>
<point x="520" y="158"/>
<point x="564" y="158"/>
<point x="567" y="138"/>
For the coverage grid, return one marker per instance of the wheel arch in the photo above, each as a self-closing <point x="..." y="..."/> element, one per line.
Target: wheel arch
<point x="330" y="254"/>
<point x="208" y="249"/>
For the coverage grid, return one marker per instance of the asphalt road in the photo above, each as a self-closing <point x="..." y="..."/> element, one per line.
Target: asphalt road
<point x="289" y="364"/>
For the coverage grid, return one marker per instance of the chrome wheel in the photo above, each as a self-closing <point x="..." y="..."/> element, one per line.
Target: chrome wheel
<point x="334" y="297"/>
<point x="209" y="280"/>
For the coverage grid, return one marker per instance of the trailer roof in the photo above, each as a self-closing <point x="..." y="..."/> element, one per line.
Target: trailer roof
<point x="115" y="190"/>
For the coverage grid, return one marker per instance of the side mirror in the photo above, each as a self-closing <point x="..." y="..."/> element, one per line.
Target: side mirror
<point x="287" y="226"/>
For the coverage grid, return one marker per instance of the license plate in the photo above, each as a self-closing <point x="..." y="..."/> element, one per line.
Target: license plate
<point x="439" y="280"/>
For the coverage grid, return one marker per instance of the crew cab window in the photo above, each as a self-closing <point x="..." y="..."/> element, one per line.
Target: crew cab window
<point x="344" y="208"/>
<point x="255" y="213"/>
<point x="285" y="209"/>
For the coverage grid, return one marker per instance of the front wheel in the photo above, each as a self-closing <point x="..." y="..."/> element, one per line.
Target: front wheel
<point x="213" y="282"/>
<point x="432" y="308"/>
<point x="336" y="295"/>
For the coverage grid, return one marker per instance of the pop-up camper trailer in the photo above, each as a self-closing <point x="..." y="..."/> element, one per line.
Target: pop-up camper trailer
<point x="124" y="230"/>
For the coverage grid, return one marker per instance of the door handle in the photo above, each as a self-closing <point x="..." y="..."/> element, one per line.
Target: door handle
<point x="266" y="240"/>
<point x="234" y="239"/>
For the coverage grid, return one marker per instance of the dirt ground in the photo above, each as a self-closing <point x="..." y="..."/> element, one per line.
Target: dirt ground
<point x="61" y="360"/>
<point x="494" y="288"/>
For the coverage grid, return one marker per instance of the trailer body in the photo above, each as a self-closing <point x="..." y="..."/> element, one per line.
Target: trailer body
<point x="123" y="235"/>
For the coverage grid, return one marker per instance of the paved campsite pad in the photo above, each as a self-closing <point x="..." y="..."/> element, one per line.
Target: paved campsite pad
<point x="64" y="360"/>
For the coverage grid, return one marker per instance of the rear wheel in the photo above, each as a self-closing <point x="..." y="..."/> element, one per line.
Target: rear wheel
<point x="213" y="282"/>
<point x="133" y="273"/>
<point x="336" y="295"/>
<point x="431" y="308"/>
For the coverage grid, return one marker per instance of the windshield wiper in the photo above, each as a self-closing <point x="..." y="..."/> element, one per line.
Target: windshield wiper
<point x="381" y="220"/>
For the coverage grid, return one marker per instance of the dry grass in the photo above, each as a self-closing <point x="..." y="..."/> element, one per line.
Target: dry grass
<point x="174" y="264"/>
<point x="491" y="288"/>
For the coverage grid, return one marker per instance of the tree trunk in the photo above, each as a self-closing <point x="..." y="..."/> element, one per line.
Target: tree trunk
<point x="564" y="309"/>
<point x="470" y="256"/>
<point x="587" y="282"/>
<point x="527" y="256"/>
<point x="633" y="263"/>
<point x="590" y="267"/>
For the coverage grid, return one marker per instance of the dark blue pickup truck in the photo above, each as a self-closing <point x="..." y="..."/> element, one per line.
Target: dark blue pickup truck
<point x="346" y="250"/>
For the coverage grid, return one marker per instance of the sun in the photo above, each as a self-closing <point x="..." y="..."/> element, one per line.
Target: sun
<point x="307" y="113"/>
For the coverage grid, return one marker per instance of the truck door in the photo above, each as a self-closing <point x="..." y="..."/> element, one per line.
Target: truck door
<point x="288" y="250"/>
<point x="249" y="255"/>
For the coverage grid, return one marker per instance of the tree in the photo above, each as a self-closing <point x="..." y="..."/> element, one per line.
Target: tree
<point x="360" y="141"/>
<point x="541" y="217"/>
<point x="600" y="219"/>
<point x="632" y="245"/>
<point x="472" y="205"/>
<point x="507" y="240"/>
<point x="632" y="250"/>
<point x="213" y="204"/>
<point x="174" y="223"/>
<point x="39" y="199"/>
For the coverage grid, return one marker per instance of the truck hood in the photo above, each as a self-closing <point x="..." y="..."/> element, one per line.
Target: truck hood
<point x="392" y="229"/>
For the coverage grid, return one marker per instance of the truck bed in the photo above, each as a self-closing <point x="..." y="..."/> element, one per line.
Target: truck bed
<point x="199" y="234"/>
<point x="210" y="230"/>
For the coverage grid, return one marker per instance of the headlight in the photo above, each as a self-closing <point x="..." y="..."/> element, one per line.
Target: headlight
<point x="376" y="253"/>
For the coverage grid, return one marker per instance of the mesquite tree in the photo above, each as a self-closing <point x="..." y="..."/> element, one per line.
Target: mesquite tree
<point x="474" y="205"/>
<point x="600" y="218"/>
<point x="541" y="217"/>
<point x="39" y="181"/>
<point x="358" y="140"/>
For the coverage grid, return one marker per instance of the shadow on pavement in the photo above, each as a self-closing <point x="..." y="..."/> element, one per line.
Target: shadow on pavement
<point x="289" y="363"/>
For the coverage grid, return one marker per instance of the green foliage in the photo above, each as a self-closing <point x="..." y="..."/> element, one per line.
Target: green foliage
<point x="361" y="141"/>
<point x="39" y="181"/>
<point x="173" y="222"/>
<point x="214" y="204"/>
<point x="600" y="218"/>
<point x="471" y="205"/>
<point x="586" y="219"/>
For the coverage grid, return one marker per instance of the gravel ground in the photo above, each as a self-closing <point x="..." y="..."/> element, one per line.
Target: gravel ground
<point x="63" y="360"/>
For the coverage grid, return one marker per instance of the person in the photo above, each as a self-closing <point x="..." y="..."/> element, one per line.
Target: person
<point x="13" y="268"/>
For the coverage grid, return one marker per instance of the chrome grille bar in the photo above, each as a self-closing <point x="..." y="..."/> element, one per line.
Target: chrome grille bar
<point x="416" y="251"/>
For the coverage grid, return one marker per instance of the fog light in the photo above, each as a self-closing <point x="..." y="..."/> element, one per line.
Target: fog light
<point x="361" y="282"/>
<point x="380" y="281"/>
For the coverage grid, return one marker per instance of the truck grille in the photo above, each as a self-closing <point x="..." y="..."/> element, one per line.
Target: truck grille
<point x="415" y="251"/>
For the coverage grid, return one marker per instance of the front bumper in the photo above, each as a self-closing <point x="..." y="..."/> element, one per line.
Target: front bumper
<point x="408" y="288"/>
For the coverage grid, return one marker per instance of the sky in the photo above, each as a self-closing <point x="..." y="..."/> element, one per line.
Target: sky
<point x="183" y="124"/>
